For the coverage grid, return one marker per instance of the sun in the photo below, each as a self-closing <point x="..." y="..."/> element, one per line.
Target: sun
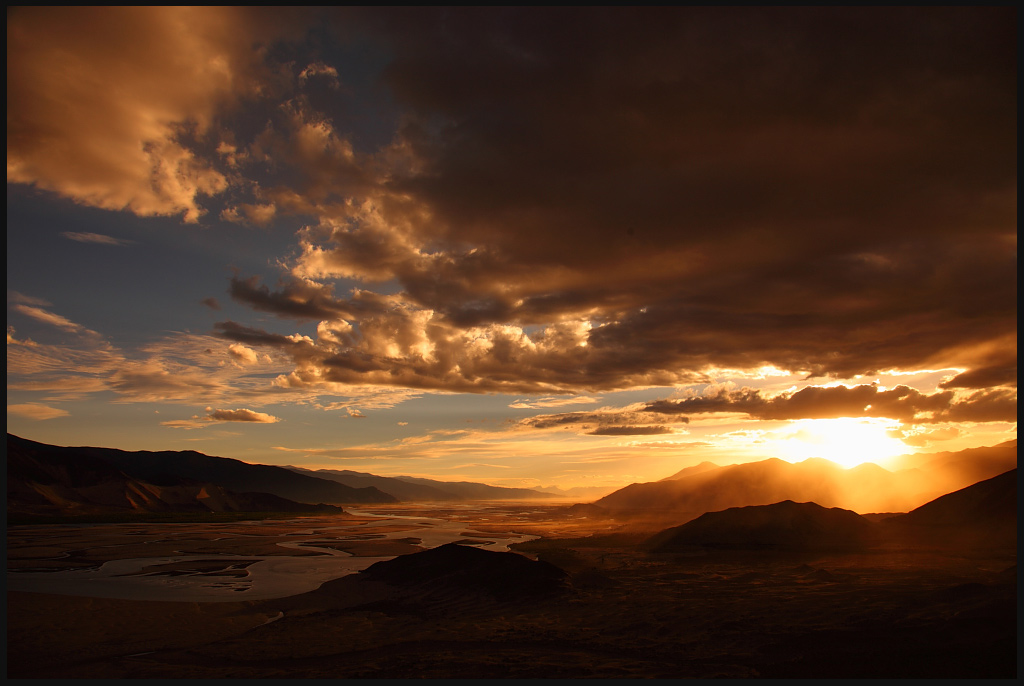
<point x="846" y="441"/>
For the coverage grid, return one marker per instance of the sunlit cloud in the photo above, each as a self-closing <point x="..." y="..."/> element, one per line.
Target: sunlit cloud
<point x="16" y="297"/>
<point x="541" y="403"/>
<point x="213" y="416"/>
<point x="36" y="411"/>
<point x="53" y="319"/>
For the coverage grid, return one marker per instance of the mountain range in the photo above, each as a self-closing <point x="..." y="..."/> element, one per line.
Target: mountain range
<point x="47" y="479"/>
<point x="411" y="488"/>
<point x="982" y="515"/>
<point x="865" y="488"/>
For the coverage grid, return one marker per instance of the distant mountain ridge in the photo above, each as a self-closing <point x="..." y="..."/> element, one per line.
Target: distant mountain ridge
<point x="41" y="481"/>
<point x="79" y="467"/>
<point x="864" y="488"/>
<point x="410" y="488"/>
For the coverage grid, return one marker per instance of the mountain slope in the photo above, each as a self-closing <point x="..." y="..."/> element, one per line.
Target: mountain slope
<point x="403" y="490"/>
<point x="470" y="490"/>
<point x="43" y="482"/>
<point x="982" y="514"/>
<point x="169" y="467"/>
<point x="411" y="488"/>
<point x="780" y="526"/>
<point x="864" y="488"/>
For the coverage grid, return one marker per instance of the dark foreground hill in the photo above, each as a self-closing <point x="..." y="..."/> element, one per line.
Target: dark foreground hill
<point x="981" y="515"/>
<point x="57" y="482"/>
<point x="785" y="526"/>
<point x="83" y="466"/>
<point x="467" y="569"/>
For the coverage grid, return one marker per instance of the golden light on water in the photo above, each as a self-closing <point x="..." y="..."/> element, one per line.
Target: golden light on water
<point x="846" y="441"/>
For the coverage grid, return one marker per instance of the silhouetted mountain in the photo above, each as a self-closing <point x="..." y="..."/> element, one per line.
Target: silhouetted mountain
<point x="754" y="483"/>
<point x="469" y="490"/>
<point x="41" y="481"/>
<point x="781" y="526"/>
<point x="462" y="568"/>
<point x="690" y="471"/>
<point x="970" y="466"/>
<point x="170" y="467"/>
<point x="402" y="490"/>
<point x="864" y="488"/>
<point x="984" y="513"/>
<point x="411" y="488"/>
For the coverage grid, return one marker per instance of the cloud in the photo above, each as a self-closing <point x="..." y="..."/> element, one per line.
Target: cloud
<point x="53" y="319"/>
<point x="16" y="297"/>
<point x="36" y="411"/>
<point x="1002" y="373"/>
<point x="625" y="198"/>
<point x="628" y="421"/>
<point x="630" y="431"/>
<point x="636" y="198"/>
<point x="211" y="303"/>
<point x="866" y="400"/>
<point x="260" y="215"/>
<point x="319" y="69"/>
<point x="241" y="415"/>
<point x="122" y="147"/>
<point x="553" y="402"/>
<point x="213" y="416"/>
<point x="85" y="237"/>
<point x="242" y="353"/>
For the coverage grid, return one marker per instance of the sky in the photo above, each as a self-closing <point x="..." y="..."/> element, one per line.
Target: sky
<point x="572" y="247"/>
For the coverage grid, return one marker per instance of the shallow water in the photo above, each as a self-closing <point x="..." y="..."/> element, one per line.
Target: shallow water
<point x="272" y="576"/>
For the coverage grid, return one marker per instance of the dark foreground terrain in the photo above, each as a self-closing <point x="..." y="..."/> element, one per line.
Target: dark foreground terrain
<point x="601" y="606"/>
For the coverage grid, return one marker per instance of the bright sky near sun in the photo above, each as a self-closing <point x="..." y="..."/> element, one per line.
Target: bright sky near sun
<point x="520" y="246"/>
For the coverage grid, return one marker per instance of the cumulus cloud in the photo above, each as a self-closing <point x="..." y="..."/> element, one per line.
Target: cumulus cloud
<point x="626" y="198"/>
<point x="650" y="196"/>
<point x="242" y="353"/>
<point x="101" y="96"/>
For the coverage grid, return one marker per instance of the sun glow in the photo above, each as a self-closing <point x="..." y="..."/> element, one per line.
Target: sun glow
<point x="845" y="441"/>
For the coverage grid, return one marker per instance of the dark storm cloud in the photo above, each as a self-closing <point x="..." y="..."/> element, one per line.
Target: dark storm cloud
<point x="1002" y="373"/>
<point x="866" y="400"/>
<point x="829" y="191"/>
<point x="995" y="405"/>
<point x="630" y="431"/>
<point x="565" y="200"/>
<point x="295" y="300"/>
<point x="613" y="422"/>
